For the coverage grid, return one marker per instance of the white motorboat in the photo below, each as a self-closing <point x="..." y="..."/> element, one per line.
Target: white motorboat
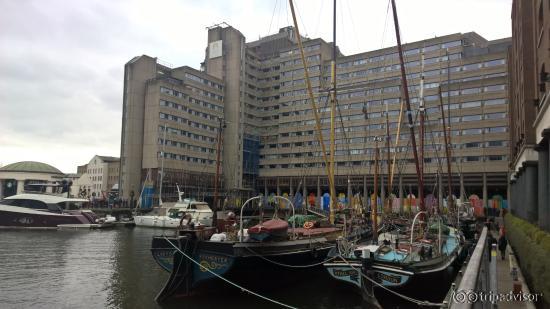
<point x="185" y="211"/>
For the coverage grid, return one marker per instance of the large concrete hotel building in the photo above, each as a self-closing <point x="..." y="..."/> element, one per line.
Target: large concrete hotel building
<point x="269" y="136"/>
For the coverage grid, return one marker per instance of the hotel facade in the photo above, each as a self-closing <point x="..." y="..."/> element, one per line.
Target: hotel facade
<point x="255" y="94"/>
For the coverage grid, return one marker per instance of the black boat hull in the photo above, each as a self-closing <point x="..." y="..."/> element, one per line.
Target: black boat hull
<point x="255" y="266"/>
<point x="409" y="281"/>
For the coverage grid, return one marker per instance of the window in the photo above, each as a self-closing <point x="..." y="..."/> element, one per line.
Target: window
<point x="431" y="60"/>
<point x="495" y="62"/>
<point x="494" y="102"/>
<point x="411" y="52"/>
<point x="471" y="91"/>
<point x="496" y="158"/>
<point x="494" y="88"/>
<point x="496" y="143"/>
<point x="495" y="116"/>
<point x="451" y="44"/>
<point x="473" y="66"/>
<point x="452" y="93"/>
<point x="471" y="159"/>
<point x="430" y="48"/>
<point x="471" y="118"/>
<point x="496" y="130"/>
<point x="471" y="104"/>
<point x="471" y="131"/>
<point x="472" y="145"/>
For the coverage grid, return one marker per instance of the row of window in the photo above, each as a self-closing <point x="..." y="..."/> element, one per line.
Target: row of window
<point x="312" y="58"/>
<point x="185" y="146"/>
<point x="188" y="110"/>
<point x="175" y="156"/>
<point x="95" y="170"/>
<point x="203" y="81"/>
<point x="188" y="122"/>
<point x="296" y="51"/>
<point x="431" y="110"/>
<point x="359" y="140"/>
<point x="414" y="100"/>
<point x="299" y="81"/>
<point x="179" y="94"/>
<point x="393" y="124"/>
<point x="431" y="73"/>
<point x="427" y="147"/>
<point x="394" y="55"/>
<point x="194" y="136"/>
<point x="402" y="137"/>
<point x="391" y="113"/>
<point x="395" y="89"/>
<point x="397" y="67"/>
<point x="300" y="72"/>
<point x="467" y="159"/>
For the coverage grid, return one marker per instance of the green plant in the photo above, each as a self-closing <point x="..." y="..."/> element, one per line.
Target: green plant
<point x="532" y="247"/>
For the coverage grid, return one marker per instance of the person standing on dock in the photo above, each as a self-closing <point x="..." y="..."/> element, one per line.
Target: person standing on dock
<point x="490" y="241"/>
<point x="502" y="243"/>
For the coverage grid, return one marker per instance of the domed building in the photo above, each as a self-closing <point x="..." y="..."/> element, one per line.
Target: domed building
<point x="16" y="177"/>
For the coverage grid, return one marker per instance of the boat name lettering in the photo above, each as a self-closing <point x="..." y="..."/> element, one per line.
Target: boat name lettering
<point x="25" y="220"/>
<point x="213" y="258"/>
<point x="388" y="278"/>
<point x="164" y="253"/>
<point x="212" y="262"/>
<point x="344" y="273"/>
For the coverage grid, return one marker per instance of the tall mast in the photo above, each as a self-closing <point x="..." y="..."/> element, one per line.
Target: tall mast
<point x="332" y="115"/>
<point x="408" y="102"/>
<point x="396" y="140"/>
<point x="374" y="207"/>
<point x="447" y="152"/>
<point x="388" y="138"/>
<point x="217" y="178"/>
<point x="162" y="165"/>
<point x="311" y="97"/>
<point x="421" y="110"/>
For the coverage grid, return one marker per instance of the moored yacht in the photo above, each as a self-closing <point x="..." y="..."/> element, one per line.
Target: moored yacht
<point x="172" y="216"/>
<point x="31" y="210"/>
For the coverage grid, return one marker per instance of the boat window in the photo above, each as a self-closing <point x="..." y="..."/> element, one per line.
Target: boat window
<point x="54" y="208"/>
<point x="202" y="206"/>
<point x="69" y="205"/>
<point x="33" y="204"/>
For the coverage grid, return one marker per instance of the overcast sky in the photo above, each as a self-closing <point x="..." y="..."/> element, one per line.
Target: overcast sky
<point x="62" y="62"/>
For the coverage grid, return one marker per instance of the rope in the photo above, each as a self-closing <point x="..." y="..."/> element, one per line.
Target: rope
<point x="415" y="301"/>
<point x="224" y="279"/>
<point x="291" y="266"/>
<point x="272" y="16"/>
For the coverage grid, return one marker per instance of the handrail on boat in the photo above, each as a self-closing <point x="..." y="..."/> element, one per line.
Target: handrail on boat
<point x="259" y="197"/>
<point x="414" y="222"/>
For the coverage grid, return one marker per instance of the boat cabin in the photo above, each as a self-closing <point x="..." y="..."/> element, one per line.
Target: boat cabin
<point x="44" y="202"/>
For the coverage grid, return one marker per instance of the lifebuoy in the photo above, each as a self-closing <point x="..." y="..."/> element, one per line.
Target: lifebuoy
<point x="308" y="225"/>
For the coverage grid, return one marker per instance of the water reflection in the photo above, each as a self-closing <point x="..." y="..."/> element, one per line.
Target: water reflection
<point x="114" y="269"/>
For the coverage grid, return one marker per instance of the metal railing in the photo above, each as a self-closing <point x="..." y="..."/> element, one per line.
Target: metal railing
<point x="479" y="277"/>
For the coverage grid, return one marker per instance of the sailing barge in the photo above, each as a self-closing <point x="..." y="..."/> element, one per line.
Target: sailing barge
<point x="196" y="257"/>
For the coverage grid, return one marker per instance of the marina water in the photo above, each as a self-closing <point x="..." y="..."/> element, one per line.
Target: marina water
<point x="114" y="269"/>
